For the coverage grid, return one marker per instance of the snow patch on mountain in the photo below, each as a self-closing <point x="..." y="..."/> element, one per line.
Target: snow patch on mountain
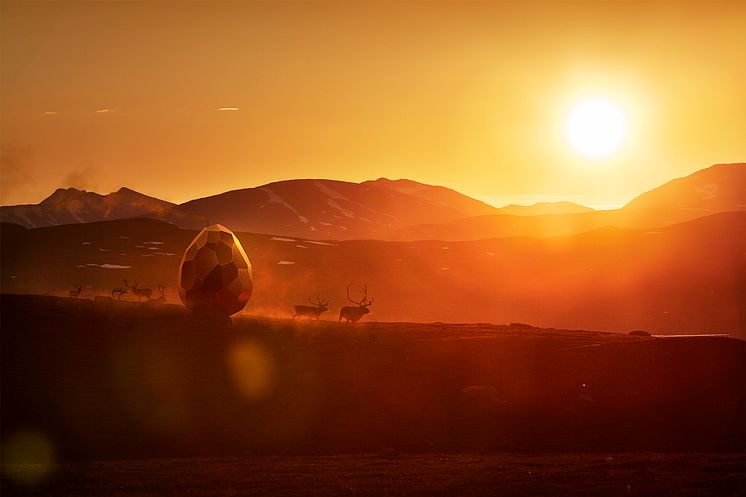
<point x="274" y="198"/>
<point x="321" y="243"/>
<point x="334" y="205"/>
<point x="330" y="192"/>
<point x="707" y="191"/>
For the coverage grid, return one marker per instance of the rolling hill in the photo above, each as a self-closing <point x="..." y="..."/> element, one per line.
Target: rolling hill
<point x="720" y="188"/>
<point x="543" y="209"/>
<point x="320" y="209"/>
<point x="393" y="209"/>
<point x="682" y="279"/>
<point x="326" y="209"/>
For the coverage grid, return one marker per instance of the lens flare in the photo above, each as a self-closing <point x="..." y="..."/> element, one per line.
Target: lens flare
<point x="27" y="457"/>
<point x="252" y="368"/>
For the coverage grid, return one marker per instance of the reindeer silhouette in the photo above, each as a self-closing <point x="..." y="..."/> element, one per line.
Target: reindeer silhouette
<point x="75" y="291"/>
<point x="162" y="298"/>
<point x="139" y="292"/>
<point x="352" y="313"/>
<point x="311" y="311"/>
<point x="117" y="293"/>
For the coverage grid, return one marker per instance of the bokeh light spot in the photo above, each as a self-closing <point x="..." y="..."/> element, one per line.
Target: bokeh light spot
<point x="27" y="457"/>
<point x="252" y="368"/>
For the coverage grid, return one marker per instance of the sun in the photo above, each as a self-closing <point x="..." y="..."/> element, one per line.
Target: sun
<point x="596" y="127"/>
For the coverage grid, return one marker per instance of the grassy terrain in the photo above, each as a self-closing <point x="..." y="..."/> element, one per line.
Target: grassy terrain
<point x="123" y="380"/>
<point x="608" y="475"/>
<point x="682" y="279"/>
<point x="120" y="398"/>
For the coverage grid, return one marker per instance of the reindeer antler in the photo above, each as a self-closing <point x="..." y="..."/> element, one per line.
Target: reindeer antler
<point x="348" y="295"/>
<point x="318" y="301"/>
<point x="364" y="301"/>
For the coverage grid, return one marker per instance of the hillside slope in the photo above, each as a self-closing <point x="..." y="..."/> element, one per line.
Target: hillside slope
<point x="686" y="278"/>
<point x="434" y="194"/>
<point x="313" y="208"/>
<point x="544" y="209"/>
<point x="66" y="206"/>
<point x="720" y="188"/>
<point x="393" y="209"/>
<point x="326" y="209"/>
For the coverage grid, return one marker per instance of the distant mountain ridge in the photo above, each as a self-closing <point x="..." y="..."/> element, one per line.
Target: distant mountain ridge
<point x="328" y="209"/>
<point x="70" y="205"/>
<point x="544" y="208"/>
<point x="315" y="208"/>
<point x="388" y="209"/>
<point x="435" y="194"/>
<point x="719" y="188"/>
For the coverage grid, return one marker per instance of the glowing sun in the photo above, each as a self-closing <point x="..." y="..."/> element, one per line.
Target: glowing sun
<point x="596" y="127"/>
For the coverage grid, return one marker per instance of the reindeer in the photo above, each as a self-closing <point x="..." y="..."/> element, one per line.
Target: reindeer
<point x="351" y="313"/>
<point x="117" y="293"/>
<point x="314" y="310"/>
<point x="75" y="291"/>
<point x="162" y="298"/>
<point x="139" y="292"/>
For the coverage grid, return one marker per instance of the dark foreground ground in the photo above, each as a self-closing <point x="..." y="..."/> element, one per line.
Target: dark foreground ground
<point x="505" y="475"/>
<point x="124" y="380"/>
<point x="267" y="407"/>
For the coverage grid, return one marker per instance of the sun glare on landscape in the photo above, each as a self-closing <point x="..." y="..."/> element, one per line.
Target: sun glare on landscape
<point x="318" y="248"/>
<point x="596" y="127"/>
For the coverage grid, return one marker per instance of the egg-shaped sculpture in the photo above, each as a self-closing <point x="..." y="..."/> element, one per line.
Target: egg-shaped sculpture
<point x="215" y="275"/>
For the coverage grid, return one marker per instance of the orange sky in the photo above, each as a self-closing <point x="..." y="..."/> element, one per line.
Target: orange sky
<point x="468" y="95"/>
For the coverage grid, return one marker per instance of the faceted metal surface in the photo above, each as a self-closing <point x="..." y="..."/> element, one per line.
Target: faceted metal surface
<point x="215" y="273"/>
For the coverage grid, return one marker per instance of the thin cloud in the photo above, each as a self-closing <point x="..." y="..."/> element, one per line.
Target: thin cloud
<point x="50" y="113"/>
<point x="101" y="111"/>
<point x="228" y="108"/>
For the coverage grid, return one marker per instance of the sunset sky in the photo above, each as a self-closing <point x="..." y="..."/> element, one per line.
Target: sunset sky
<point x="183" y="100"/>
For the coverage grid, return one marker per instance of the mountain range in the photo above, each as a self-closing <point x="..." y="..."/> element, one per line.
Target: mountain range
<point x="671" y="261"/>
<point x="392" y="209"/>
<point x="311" y="207"/>
<point x="327" y="209"/>
<point x="719" y="188"/>
<point x="69" y="205"/>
